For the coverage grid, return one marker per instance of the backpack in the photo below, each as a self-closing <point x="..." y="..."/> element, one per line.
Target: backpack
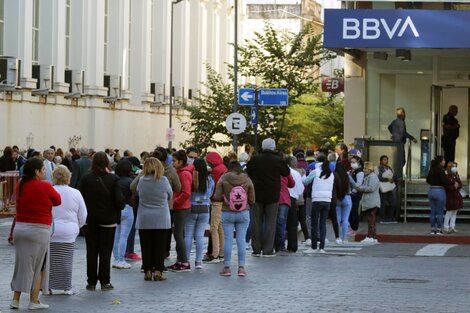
<point x="238" y="199"/>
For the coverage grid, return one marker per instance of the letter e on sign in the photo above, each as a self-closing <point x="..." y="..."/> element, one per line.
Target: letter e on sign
<point x="235" y="123"/>
<point x="332" y="84"/>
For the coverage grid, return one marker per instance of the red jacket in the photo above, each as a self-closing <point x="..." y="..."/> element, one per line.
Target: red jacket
<point x="286" y="183"/>
<point x="36" y="202"/>
<point x="217" y="163"/>
<point x="182" y="199"/>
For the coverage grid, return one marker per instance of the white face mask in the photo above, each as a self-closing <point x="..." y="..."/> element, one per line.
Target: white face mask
<point x="453" y="170"/>
<point x="354" y="166"/>
<point x="190" y="160"/>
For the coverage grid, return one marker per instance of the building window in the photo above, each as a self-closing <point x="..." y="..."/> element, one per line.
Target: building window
<point x="130" y="50"/>
<point x="106" y="13"/>
<point x="2" y="4"/>
<point x="67" y="34"/>
<point x="35" y="31"/>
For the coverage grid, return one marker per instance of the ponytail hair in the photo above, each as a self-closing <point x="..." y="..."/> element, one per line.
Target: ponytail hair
<point x="325" y="166"/>
<point x="436" y="162"/>
<point x="29" y="172"/>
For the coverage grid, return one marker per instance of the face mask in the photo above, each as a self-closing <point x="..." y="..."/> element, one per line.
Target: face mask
<point x="453" y="170"/>
<point x="354" y="166"/>
<point x="190" y="160"/>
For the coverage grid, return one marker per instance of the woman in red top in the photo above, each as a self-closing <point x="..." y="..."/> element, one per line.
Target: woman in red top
<point x="35" y="199"/>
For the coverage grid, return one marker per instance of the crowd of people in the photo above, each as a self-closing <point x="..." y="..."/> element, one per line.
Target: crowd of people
<point x="262" y="196"/>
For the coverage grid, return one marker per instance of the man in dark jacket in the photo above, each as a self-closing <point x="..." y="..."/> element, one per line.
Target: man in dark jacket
<point x="80" y="168"/>
<point x="265" y="170"/>
<point x="397" y="129"/>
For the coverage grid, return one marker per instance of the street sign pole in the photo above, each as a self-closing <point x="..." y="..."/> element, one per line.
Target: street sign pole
<point x="235" y="73"/>
<point x="256" y="122"/>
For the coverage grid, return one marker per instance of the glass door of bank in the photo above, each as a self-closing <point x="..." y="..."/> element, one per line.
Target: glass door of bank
<point x="441" y="99"/>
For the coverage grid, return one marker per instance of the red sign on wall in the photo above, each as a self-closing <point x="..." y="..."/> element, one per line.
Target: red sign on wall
<point x="332" y="84"/>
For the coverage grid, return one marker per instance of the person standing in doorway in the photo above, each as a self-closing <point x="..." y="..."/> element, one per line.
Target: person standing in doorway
<point x="398" y="130"/>
<point x="450" y="133"/>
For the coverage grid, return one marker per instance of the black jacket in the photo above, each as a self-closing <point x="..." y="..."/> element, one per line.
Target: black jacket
<point x="265" y="170"/>
<point x="103" y="198"/>
<point x="7" y="163"/>
<point x="80" y="168"/>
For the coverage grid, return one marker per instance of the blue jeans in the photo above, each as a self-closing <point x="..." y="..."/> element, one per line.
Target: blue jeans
<point x="343" y="209"/>
<point x="250" y="228"/>
<point x="194" y="228"/>
<point x="280" y="238"/>
<point x="122" y="233"/>
<point x="238" y="221"/>
<point x="437" y="201"/>
<point x="319" y="215"/>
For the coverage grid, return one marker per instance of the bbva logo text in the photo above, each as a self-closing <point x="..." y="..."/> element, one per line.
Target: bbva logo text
<point x="372" y="28"/>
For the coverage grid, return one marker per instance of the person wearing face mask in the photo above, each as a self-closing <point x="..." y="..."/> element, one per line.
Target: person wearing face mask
<point x="438" y="180"/>
<point x="357" y="175"/>
<point x="454" y="200"/>
<point x="192" y="153"/>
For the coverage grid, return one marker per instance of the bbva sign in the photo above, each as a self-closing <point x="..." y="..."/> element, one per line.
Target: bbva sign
<point x="373" y="28"/>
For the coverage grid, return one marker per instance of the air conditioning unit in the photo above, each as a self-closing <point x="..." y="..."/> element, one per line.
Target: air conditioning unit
<point x="114" y="85"/>
<point x="10" y="69"/>
<point x="76" y="80"/>
<point x="44" y="75"/>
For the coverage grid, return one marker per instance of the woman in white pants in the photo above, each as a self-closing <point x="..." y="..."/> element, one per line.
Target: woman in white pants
<point x="454" y="200"/>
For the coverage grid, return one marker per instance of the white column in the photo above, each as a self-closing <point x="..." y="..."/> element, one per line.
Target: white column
<point x="18" y="36"/>
<point x="118" y="40"/>
<point x="161" y="45"/>
<point x="181" y="47"/>
<point x="140" y="51"/>
<point x="77" y="10"/>
<point x="52" y="19"/>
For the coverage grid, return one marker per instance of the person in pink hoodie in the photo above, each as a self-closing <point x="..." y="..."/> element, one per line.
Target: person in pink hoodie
<point x="216" y="164"/>
<point x="181" y="209"/>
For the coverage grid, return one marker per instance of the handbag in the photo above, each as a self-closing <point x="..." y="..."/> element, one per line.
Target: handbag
<point x="386" y="186"/>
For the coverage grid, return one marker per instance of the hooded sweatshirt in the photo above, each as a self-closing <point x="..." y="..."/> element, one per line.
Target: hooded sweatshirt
<point x="182" y="199"/>
<point x="217" y="163"/>
<point x="230" y="180"/>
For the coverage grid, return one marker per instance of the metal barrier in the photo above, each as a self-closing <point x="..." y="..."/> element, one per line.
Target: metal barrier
<point x="8" y="181"/>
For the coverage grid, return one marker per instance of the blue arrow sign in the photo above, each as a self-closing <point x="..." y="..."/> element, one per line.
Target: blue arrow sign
<point x="246" y="96"/>
<point x="273" y="97"/>
<point x="254" y="116"/>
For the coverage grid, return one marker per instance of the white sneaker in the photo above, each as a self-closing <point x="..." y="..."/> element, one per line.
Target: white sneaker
<point x="308" y="242"/>
<point x="310" y="251"/>
<point x="322" y="251"/>
<point x="37" y="306"/>
<point x="15" y="304"/>
<point x="367" y="240"/>
<point x="345" y="241"/>
<point x="339" y="241"/>
<point x="115" y="263"/>
<point x="124" y="265"/>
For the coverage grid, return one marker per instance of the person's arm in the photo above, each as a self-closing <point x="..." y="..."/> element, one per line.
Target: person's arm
<point x="169" y="192"/>
<point x="175" y="182"/>
<point x="54" y="196"/>
<point x="290" y="181"/>
<point x="218" y="194"/>
<point x="372" y="183"/>
<point x="119" y="199"/>
<point x="185" y="192"/>
<point x="360" y="178"/>
<point x="135" y="182"/>
<point x="82" y="210"/>
<point x="308" y="179"/>
<point x="251" y="193"/>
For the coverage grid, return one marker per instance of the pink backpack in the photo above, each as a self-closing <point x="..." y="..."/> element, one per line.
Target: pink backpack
<point x="238" y="199"/>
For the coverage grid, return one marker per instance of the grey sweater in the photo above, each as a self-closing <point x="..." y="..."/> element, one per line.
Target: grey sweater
<point x="370" y="188"/>
<point x="154" y="199"/>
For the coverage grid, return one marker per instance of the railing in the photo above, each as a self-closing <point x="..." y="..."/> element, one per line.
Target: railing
<point x="8" y="181"/>
<point x="407" y="178"/>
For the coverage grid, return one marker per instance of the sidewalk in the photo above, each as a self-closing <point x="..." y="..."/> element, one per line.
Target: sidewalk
<point x="415" y="233"/>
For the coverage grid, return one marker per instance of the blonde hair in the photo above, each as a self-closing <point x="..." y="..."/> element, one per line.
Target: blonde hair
<point x="61" y="175"/>
<point x="368" y="166"/>
<point x="153" y="166"/>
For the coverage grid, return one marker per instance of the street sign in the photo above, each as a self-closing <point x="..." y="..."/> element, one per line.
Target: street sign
<point x="170" y="134"/>
<point x="254" y="116"/>
<point x="273" y="97"/>
<point x="332" y="84"/>
<point x="246" y="96"/>
<point x="235" y="123"/>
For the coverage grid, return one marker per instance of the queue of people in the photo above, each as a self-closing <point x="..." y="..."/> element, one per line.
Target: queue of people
<point x="177" y="193"/>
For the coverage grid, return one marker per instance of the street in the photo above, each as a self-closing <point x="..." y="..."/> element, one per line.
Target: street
<point x="349" y="278"/>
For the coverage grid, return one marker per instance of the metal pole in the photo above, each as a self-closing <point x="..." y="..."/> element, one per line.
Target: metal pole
<point x="171" y="68"/>
<point x="235" y="73"/>
<point x="256" y="124"/>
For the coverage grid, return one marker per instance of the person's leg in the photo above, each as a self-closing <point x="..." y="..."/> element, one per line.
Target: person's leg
<point x="445" y="227"/>
<point x="180" y="221"/>
<point x="257" y="234"/>
<point x="250" y="226"/>
<point x="160" y="240"/>
<point x="241" y="225"/>
<point x="170" y="232"/>
<point x="324" y="212"/>
<point x="383" y="207"/>
<point x="314" y="224"/>
<point x="189" y="233"/>
<point x="10" y="236"/>
<point x="270" y="223"/>
<point x="221" y="240"/>
<point x="127" y="219"/>
<point x="339" y="218"/>
<point x="34" y="295"/>
<point x="354" y="215"/>
<point x="334" y="220"/>
<point x="433" y="207"/>
<point x="216" y="212"/>
<point x="209" y="244"/>
<point x="372" y="223"/>
<point x="202" y="221"/>
<point x="392" y="208"/>
<point x="292" y="222"/>
<point x="346" y="211"/>
<point x="453" y="218"/>
<point x="228" y="223"/>
<point x="440" y="207"/>
<point x="131" y="237"/>
<point x="117" y="236"/>
<point x="301" y="215"/>
<point x="308" y="215"/>
<point x="92" y="244"/>
<point x="105" y="248"/>
<point x="281" y="222"/>
<point x="146" y="247"/>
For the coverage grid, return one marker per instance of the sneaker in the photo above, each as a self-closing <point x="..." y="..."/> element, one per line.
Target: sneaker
<point x="439" y="232"/>
<point x="148" y="276"/>
<point x="37" y="306"/>
<point x="310" y="251"/>
<point x="124" y="265"/>
<point x="308" y="242"/>
<point x="133" y="257"/>
<point x="158" y="276"/>
<point x="226" y="271"/>
<point x="367" y="240"/>
<point x="393" y="222"/>
<point x="198" y="265"/>
<point x="454" y="230"/>
<point x="181" y="268"/>
<point x="70" y="292"/>
<point x="256" y="254"/>
<point x="241" y="271"/>
<point x="269" y="255"/>
<point x="211" y="260"/>
<point x="171" y="267"/>
<point x="90" y="287"/>
<point x="322" y="251"/>
<point x="114" y="263"/>
<point x="107" y="287"/>
<point x="14" y="304"/>
<point x="433" y="232"/>
<point x="339" y="241"/>
<point x="207" y="257"/>
<point x="221" y="259"/>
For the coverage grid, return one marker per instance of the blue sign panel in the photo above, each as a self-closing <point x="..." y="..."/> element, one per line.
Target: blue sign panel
<point x="246" y="96"/>
<point x="396" y="29"/>
<point x="254" y="116"/>
<point x="273" y="97"/>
